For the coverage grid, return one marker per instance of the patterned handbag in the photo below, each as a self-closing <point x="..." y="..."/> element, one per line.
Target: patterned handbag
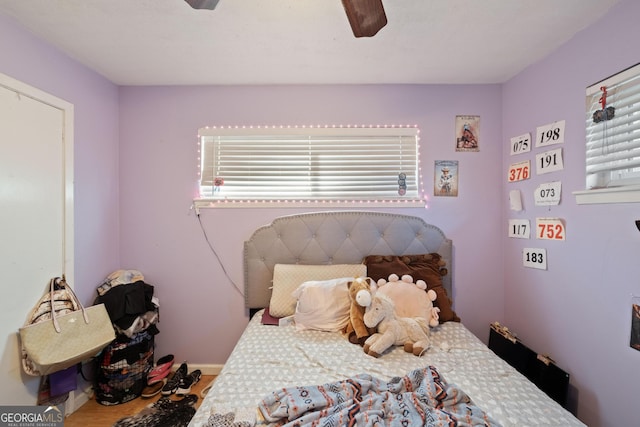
<point x="60" y="332"/>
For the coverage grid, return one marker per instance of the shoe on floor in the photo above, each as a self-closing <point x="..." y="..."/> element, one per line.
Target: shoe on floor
<point x="184" y="387"/>
<point x="189" y="399"/>
<point x="153" y="389"/>
<point x="172" y="383"/>
<point x="161" y="370"/>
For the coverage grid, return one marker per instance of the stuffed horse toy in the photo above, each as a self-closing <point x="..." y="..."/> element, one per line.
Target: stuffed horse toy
<point x="411" y="332"/>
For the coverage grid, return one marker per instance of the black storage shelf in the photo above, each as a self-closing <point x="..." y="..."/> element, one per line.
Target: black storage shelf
<point x="539" y="369"/>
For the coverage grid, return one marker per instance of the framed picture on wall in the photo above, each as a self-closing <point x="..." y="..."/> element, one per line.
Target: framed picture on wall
<point x="635" y="323"/>
<point x="445" y="181"/>
<point x="467" y="133"/>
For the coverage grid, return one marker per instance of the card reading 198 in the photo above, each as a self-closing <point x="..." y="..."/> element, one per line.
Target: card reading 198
<point x="519" y="171"/>
<point x="550" y="134"/>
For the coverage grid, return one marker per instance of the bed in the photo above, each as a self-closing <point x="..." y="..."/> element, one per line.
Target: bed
<point x="273" y="365"/>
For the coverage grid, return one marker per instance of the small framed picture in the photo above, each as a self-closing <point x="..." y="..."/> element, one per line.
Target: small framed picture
<point x="445" y="182"/>
<point x="635" y="323"/>
<point x="467" y="133"/>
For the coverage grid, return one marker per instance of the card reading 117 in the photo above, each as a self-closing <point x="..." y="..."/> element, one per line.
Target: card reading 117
<point x="519" y="171"/>
<point x="519" y="228"/>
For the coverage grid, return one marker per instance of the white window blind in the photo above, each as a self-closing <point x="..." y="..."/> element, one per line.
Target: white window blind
<point x="309" y="163"/>
<point x="613" y="144"/>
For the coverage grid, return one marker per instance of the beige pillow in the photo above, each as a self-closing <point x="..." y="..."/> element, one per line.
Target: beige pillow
<point x="287" y="278"/>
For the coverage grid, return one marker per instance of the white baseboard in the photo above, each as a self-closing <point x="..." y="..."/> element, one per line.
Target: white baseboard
<point x="76" y="399"/>
<point x="207" y="369"/>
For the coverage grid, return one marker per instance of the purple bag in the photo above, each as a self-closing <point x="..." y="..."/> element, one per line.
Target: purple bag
<point x="64" y="381"/>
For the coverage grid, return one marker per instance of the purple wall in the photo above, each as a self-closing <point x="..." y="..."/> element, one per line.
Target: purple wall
<point x="579" y="310"/>
<point x="135" y="172"/>
<point x="95" y="101"/>
<point x="201" y="314"/>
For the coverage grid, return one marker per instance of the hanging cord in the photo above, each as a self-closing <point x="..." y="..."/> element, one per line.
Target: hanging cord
<point x="603" y="103"/>
<point x="206" y="389"/>
<point x="605" y="121"/>
<point x="206" y="237"/>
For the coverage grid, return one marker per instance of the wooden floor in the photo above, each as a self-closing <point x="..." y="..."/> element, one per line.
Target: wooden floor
<point x="96" y="415"/>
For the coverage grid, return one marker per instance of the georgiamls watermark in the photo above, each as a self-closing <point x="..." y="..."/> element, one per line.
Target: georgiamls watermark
<point x="31" y="416"/>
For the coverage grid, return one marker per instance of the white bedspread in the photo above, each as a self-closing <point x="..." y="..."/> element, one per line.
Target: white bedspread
<point x="267" y="358"/>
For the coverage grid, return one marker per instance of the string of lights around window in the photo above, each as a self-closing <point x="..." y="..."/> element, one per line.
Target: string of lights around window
<point x="204" y="202"/>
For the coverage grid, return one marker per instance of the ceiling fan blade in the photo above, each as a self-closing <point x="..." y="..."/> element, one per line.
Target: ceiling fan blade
<point x="203" y="4"/>
<point x="366" y="17"/>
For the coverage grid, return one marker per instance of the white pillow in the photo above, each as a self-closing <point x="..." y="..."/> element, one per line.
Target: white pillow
<point x="287" y="278"/>
<point x="323" y="305"/>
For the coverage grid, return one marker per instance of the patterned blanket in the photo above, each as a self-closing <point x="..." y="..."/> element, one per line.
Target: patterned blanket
<point x="421" y="398"/>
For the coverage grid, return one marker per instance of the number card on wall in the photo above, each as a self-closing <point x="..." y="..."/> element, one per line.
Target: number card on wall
<point x="550" y="229"/>
<point x="548" y="194"/>
<point x="519" y="228"/>
<point x="549" y="161"/>
<point x="521" y="144"/>
<point x="519" y="171"/>
<point x="534" y="258"/>
<point x="550" y="134"/>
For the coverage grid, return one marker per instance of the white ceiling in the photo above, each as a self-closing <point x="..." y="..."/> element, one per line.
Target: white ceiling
<point x="166" y="42"/>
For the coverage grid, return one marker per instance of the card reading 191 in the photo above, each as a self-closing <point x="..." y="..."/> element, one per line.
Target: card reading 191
<point x="519" y="171"/>
<point x="549" y="161"/>
<point x="534" y="258"/>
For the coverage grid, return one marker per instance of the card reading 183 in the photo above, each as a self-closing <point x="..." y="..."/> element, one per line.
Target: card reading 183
<point x="519" y="171"/>
<point x="534" y="258"/>
<point x="550" y="229"/>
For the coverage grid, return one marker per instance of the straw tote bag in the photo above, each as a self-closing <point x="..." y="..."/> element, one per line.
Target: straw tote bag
<point x="60" y="332"/>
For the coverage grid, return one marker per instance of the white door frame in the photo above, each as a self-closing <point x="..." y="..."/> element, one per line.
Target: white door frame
<point x="67" y="110"/>
<point x="23" y="387"/>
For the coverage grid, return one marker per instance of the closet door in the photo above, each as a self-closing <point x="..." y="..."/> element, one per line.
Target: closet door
<point x="36" y="216"/>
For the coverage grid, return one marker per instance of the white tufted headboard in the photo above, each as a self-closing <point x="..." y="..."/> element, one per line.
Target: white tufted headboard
<point x="343" y="237"/>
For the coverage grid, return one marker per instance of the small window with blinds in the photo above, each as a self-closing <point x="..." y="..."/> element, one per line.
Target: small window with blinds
<point x="308" y="165"/>
<point x="613" y="131"/>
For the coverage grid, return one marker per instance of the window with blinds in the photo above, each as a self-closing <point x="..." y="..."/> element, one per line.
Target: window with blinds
<point x="613" y="131"/>
<point x="298" y="164"/>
